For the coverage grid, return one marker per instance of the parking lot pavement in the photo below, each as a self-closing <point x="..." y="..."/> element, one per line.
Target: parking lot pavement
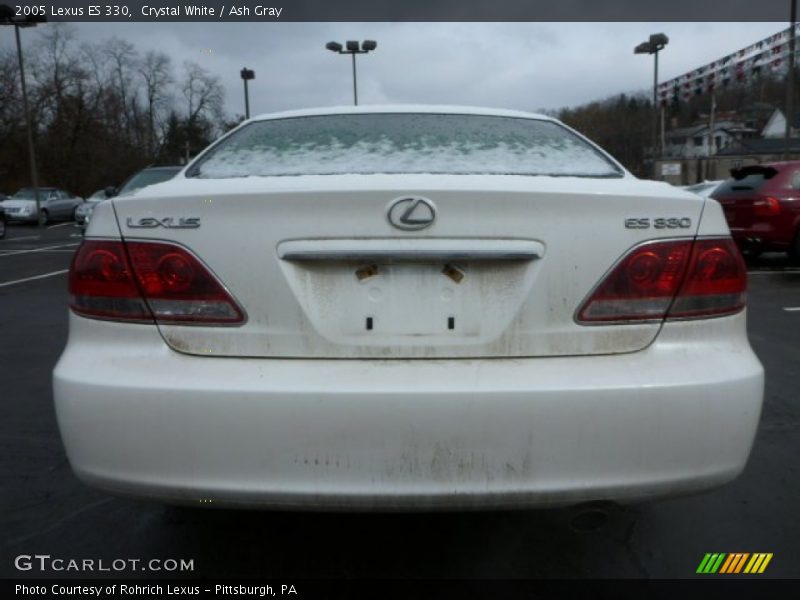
<point x="46" y="510"/>
<point x="29" y="252"/>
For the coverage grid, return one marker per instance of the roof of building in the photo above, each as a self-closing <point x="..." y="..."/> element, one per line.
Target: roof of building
<point x="761" y="146"/>
<point x="687" y="132"/>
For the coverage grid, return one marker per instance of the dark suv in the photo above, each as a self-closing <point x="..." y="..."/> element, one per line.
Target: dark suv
<point x="762" y="207"/>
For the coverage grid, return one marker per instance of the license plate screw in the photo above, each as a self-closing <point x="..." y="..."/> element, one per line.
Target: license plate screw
<point x="453" y="273"/>
<point x="366" y="272"/>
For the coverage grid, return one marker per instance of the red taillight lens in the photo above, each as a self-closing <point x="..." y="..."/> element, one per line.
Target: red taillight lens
<point x="101" y="283"/>
<point x="767" y="206"/>
<point x="674" y="279"/>
<point x="642" y="285"/>
<point x="142" y="281"/>
<point x="715" y="283"/>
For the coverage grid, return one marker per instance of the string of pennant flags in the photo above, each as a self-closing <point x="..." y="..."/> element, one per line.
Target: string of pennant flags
<point x="770" y="55"/>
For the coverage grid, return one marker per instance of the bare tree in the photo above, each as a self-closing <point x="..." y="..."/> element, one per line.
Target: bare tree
<point x="203" y="92"/>
<point x="155" y="69"/>
<point x="61" y="102"/>
<point x="11" y="116"/>
<point x="204" y="109"/>
<point x="123" y="59"/>
<point x="12" y="124"/>
<point x="56" y="70"/>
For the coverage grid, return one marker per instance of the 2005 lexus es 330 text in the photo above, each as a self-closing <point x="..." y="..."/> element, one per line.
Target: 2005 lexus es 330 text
<point x="407" y="307"/>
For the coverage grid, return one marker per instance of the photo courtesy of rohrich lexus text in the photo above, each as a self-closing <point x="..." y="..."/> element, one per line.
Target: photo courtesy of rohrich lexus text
<point x="349" y="301"/>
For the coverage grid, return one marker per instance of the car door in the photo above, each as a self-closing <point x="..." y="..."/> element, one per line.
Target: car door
<point x="51" y="204"/>
<point x="62" y="205"/>
<point x="71" y="201"/>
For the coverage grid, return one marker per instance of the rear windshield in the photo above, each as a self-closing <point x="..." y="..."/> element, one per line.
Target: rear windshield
<point x="701" y="187"/>
<point x="747" y="185"/>
<point x="403" y="143"/>
<point x="30" y="193"/>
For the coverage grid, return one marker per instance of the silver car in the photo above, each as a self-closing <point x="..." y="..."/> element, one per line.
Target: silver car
<point x="141" y="179"/>
<point x="84" y="210"/>
<point x="55" y="205"/>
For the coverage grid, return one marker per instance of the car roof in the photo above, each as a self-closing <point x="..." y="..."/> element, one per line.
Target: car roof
<point x="402" y="108"/>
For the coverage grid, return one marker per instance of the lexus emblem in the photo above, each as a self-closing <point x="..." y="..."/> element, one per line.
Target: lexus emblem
<point x="411" y="214"/>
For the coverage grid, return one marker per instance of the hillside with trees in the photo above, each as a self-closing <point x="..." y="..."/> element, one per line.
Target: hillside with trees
<point x="623" y="124"/>
<point x="101" y="111"/>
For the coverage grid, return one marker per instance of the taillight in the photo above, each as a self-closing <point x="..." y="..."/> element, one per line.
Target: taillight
<point x="146" y="281"/>
<point x="715" y="282"/>
<point x="101" y="283"/>
<point x="672" y="279"/>
<point x="767" y="206"/>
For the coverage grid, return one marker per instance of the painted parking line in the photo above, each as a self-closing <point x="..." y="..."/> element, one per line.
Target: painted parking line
<point x="4" y="252"/>
<point x="43" y="249"/>
<point x="57" y="251"/>
<point x="67" y="250"/>
<point x="16" y="281"/>
<point x="24" y="237"/>
<point x="61" y="225"/>
<point x="792" y="308"/>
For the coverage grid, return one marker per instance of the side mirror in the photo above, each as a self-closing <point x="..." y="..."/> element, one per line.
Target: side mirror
<point x="111" y="191"/>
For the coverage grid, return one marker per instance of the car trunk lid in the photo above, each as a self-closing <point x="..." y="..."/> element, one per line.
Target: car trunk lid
<point x="322" y="272"/>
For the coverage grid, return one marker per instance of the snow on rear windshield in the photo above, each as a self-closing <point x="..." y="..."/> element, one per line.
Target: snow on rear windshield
<point x="403" y="143"/>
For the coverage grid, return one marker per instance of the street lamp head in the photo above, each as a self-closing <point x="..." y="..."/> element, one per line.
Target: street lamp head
<point x="353" y="50"/>
<point x="658" y="41"/>
<point x="247" y="74"/>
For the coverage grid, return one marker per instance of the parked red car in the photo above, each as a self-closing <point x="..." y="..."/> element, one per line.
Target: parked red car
<point x="762" y="206"/>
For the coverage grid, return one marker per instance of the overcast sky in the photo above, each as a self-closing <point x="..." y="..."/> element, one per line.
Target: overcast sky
<point x="527" y="66"/>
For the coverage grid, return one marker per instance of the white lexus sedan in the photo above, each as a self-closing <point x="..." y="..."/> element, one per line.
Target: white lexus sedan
<point x="407" y="307"/>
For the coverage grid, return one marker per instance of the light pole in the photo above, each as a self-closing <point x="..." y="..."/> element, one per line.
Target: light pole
<point x="247" y="75"/>
<point x="787" y="134"/>
<point x="652" y="46"/>
<point x="8" y="17"/>
<point x="352" y="50"/>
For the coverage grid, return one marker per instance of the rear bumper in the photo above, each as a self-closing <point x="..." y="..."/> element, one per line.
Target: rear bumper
<point x="138" y="418"/>
<point x="763" y="237"/>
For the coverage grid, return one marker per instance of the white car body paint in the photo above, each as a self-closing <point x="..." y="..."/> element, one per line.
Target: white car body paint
<point x="304" y="405"/>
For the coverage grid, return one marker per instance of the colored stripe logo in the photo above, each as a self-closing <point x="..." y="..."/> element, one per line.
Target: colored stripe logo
<point x="734" y="563"/>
